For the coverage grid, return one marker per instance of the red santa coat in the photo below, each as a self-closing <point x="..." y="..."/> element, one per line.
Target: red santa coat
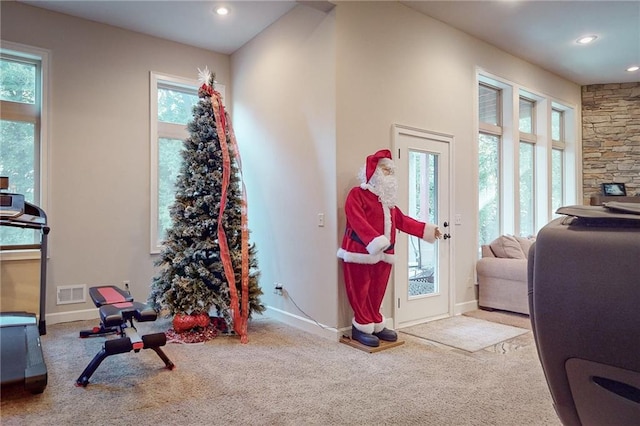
<point x="370" y="233"/>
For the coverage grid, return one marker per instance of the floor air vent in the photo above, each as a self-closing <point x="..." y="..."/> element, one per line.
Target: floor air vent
<point x="71" y="294"/>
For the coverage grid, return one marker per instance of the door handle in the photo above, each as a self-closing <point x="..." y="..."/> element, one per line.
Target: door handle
<point x="446" y="236"/>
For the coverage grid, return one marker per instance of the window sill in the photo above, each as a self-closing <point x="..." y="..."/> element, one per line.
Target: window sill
<point x="9" y="255"/>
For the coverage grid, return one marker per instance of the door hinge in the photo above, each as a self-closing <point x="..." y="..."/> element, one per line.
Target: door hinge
<point x="398" y="303"/>
<point x="398" y="153"/>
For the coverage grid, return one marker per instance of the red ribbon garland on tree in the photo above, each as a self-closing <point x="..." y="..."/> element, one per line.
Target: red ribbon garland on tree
<point x="240" y="314"/>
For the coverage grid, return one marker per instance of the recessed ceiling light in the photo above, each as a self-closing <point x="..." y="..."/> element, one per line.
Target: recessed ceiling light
<point x="222" y="10"/>
<point x="586" y="39"/>
<point x="633" y="68"/>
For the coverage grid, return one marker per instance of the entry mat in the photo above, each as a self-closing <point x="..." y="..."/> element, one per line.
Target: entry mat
<point x="468" y="334"/>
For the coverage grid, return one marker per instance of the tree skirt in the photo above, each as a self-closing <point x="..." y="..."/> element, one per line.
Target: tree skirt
<point x="216" y="326"/>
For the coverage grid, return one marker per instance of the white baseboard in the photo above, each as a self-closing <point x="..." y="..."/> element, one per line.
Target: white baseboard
<point x="83" y="315"/>
<point x="285" y="317"/>
<point x="278" y="314"/>
<point x="311" y="327"/>
<point x="306" y="324"/>
<point x="461" y="308"/>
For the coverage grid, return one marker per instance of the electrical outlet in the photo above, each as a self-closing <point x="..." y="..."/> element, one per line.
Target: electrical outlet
<point x="277" y="289"/>
<point x="125" y="284"/>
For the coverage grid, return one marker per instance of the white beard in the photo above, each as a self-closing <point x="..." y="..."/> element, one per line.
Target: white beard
<point x="385" y="187"/>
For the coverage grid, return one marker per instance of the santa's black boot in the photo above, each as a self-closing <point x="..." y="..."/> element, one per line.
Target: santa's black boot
<point x="387" y="335"/>
<point x="364" y="338"/>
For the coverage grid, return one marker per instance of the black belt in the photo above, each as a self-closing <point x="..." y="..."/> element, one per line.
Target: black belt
<point x="352" y="234"/>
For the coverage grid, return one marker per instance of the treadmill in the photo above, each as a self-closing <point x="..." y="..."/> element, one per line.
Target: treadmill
<point x="21" y="358"/>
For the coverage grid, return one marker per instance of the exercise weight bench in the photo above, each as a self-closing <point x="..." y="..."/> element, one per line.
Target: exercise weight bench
<point x="105" y="295"/>
<point x="117" y="314"/>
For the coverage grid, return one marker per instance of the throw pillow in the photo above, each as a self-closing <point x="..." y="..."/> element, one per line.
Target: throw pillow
<point x="525" y="244"/>
<point x="507" y="246"/>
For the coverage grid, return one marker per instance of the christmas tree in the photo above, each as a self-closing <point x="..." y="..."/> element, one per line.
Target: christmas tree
<point x="206" y="261"/>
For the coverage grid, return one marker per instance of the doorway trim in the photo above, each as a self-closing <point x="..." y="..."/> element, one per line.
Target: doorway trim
<point x="396" y="130"/>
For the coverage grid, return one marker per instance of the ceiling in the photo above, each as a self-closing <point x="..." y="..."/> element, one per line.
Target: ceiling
<point x="545" y="33"/>
<point x="541" y="32"/>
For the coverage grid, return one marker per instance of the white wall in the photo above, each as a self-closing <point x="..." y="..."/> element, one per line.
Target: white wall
<point x="99" y="144"/>
<point x="284" y="117"/>
<point x="371" y="64"/>
<point x="396" y="65"/>
<point x="312" y="95"/>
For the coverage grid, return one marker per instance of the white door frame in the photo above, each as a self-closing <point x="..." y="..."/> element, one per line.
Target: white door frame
<point x="398" y="129"/>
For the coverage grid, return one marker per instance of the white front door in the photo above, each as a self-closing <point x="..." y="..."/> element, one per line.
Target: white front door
<point x="421" y="270"/>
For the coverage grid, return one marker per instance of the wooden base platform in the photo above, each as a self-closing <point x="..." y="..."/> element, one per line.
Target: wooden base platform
<point x="347" y="340"/>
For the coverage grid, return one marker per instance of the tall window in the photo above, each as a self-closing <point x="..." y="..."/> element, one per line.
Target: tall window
<point x="489" y="148"/>
<point x="523" y="147"/>
<point x="557" y="159"/>
<point x="23" y="141"/>
<point x="526" y="166"/>
<point x="172" y="100"/>
<point x="171" y="105"/>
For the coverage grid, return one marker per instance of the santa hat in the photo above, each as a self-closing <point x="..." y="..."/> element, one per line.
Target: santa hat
<point x="372" y="162"/>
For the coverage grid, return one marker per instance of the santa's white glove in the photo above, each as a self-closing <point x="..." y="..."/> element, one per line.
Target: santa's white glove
<point x="378" y="244"/>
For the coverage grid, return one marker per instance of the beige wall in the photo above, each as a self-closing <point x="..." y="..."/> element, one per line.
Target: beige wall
<point x="312" y="96"/>
<point x="99" y="144"/>
<point x="398" y="66"/>
<point x="284" y="116"/>
<point x="389" y="65"/>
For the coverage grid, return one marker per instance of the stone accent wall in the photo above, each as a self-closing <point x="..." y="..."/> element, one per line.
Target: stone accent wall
<point x="610" y="137"/>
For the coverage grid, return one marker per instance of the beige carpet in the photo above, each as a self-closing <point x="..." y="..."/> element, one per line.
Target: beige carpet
<point x="285" y="376"/>
<point x="463" y="332"/>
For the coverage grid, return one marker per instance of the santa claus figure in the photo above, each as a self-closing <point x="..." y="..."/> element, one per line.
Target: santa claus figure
<point x="368" y="243"/>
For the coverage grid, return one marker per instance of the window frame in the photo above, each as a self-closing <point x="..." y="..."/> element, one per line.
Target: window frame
<point x="543" y="149"/>
<point x="526" y="136"/>
<point x="157" y="130"/>
<point x="559" y="145"/>
<point x="529" y="138"/>
<point x="495" y="130"/>
<point x="39" y="115"/>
